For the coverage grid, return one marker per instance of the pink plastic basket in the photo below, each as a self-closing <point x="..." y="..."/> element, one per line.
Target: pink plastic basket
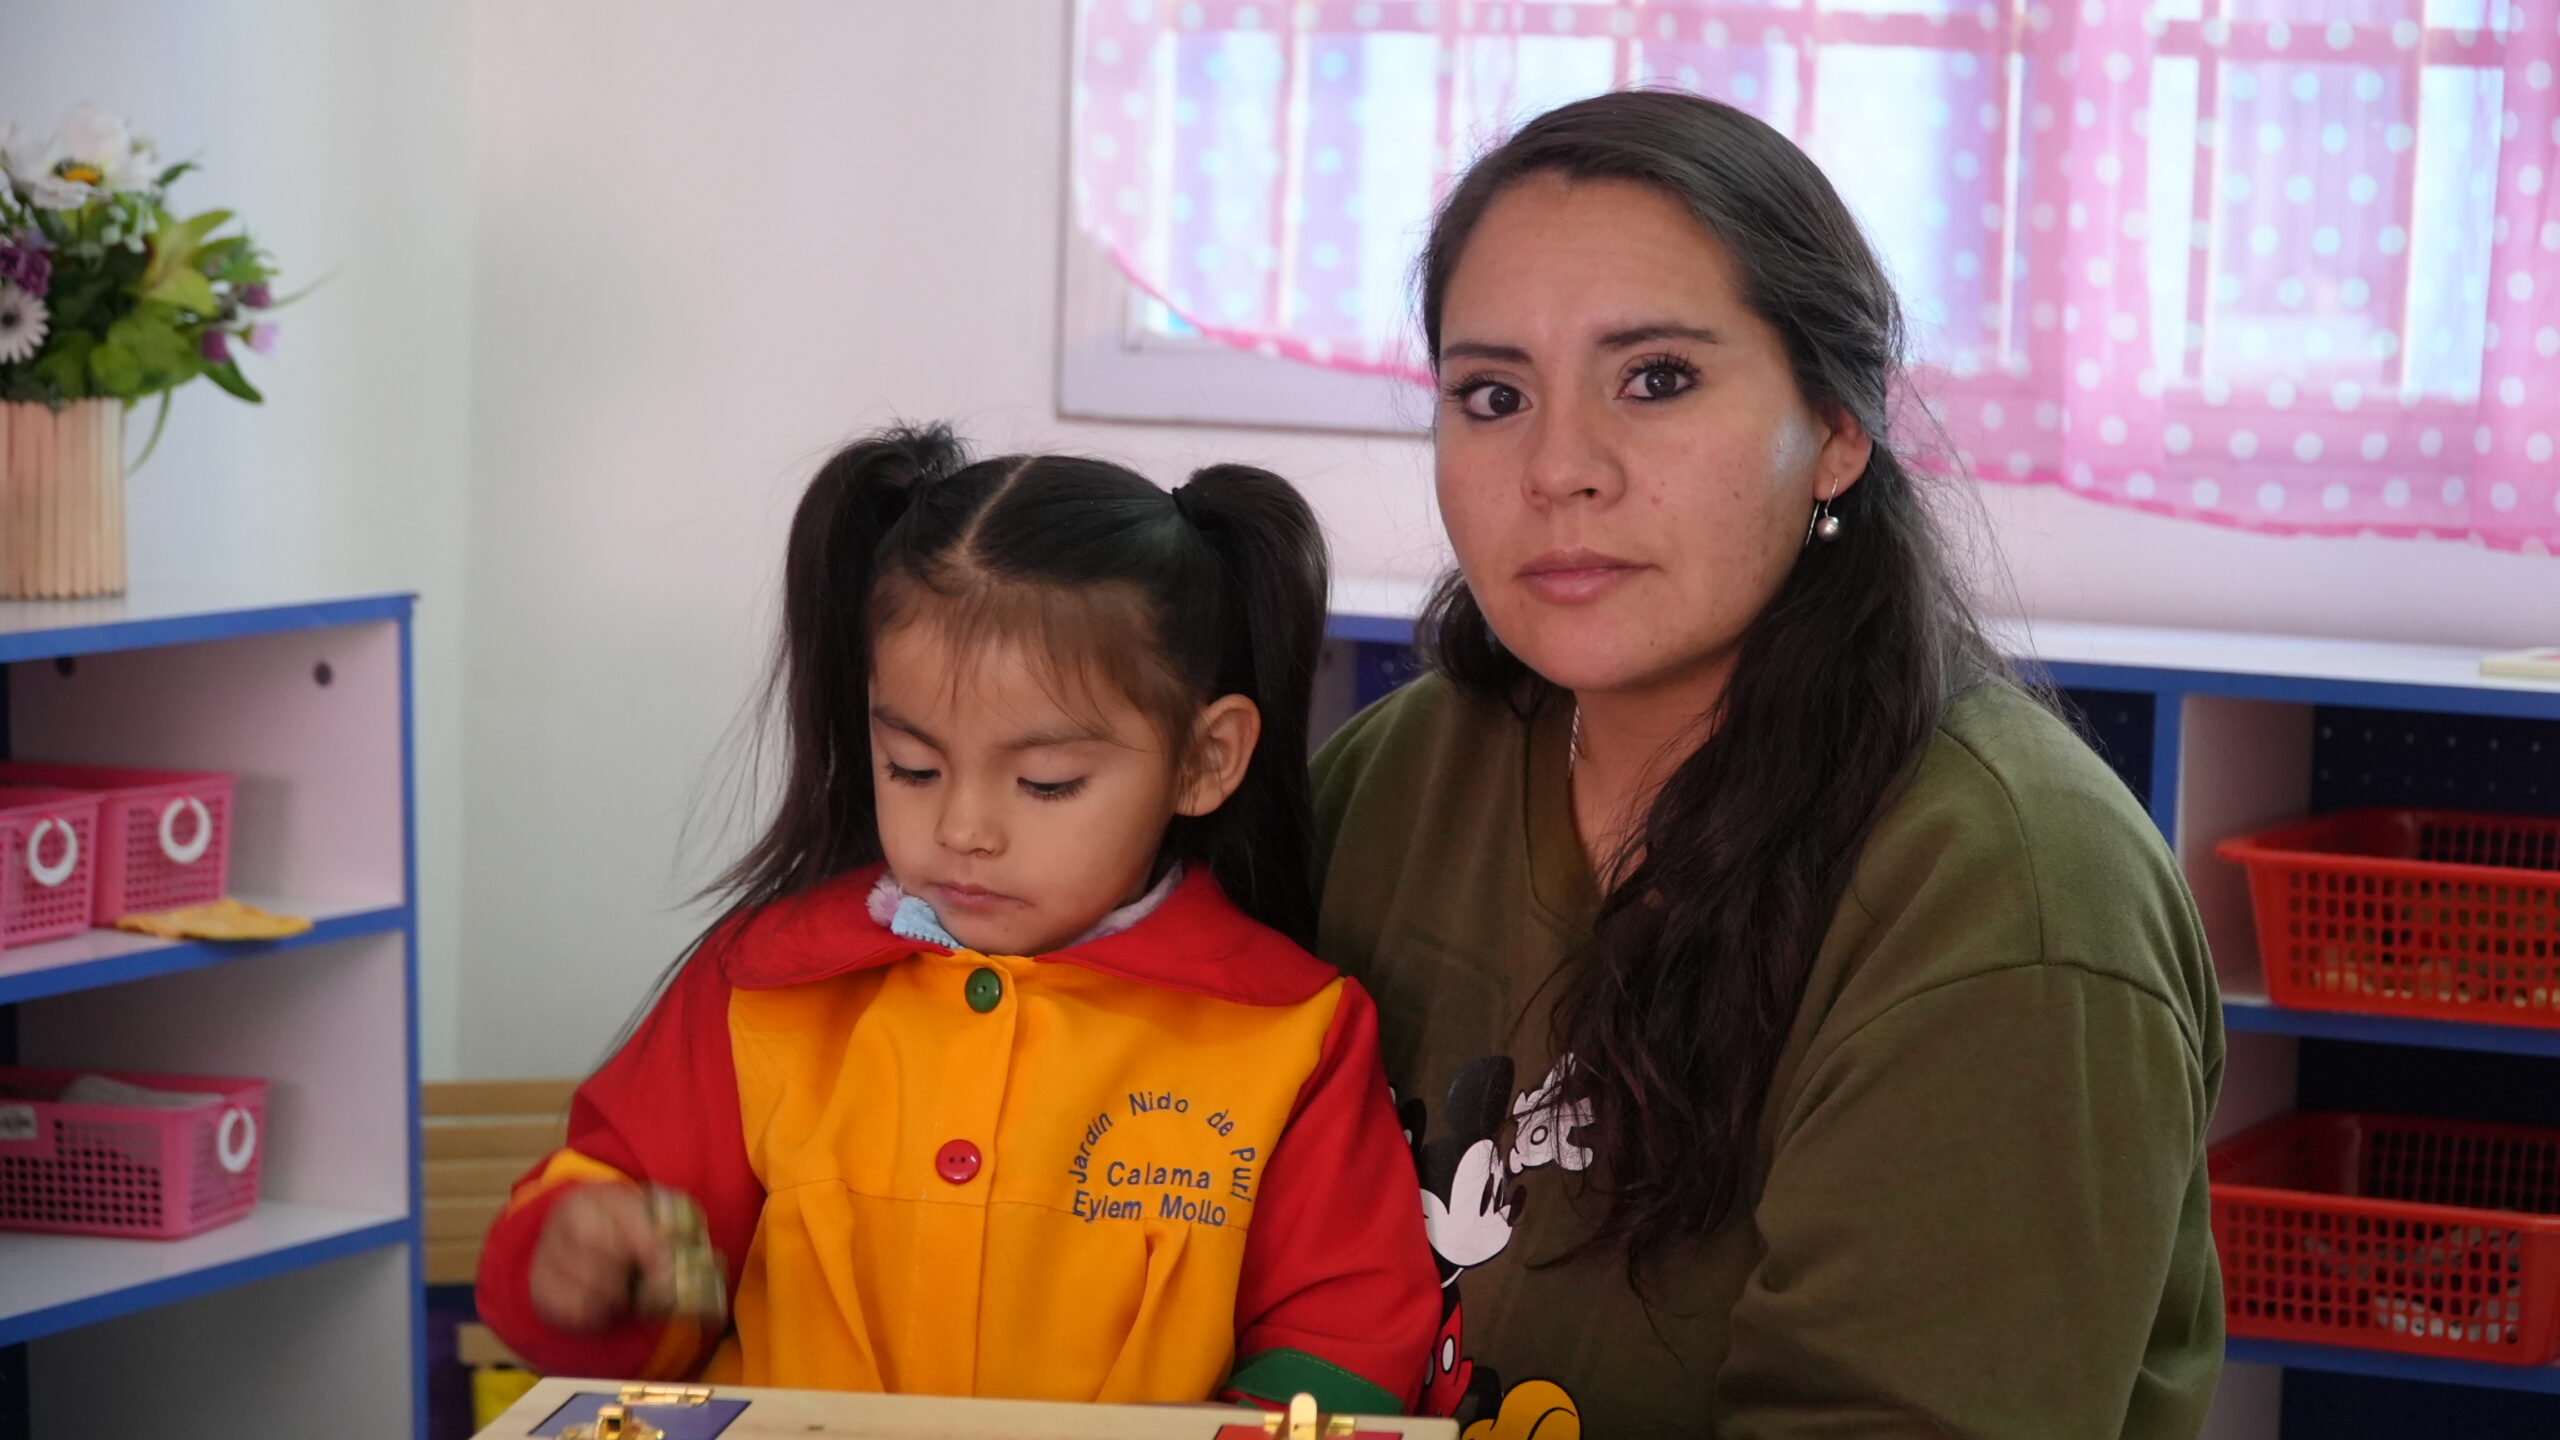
<point x="164" y="836"/>
<point x="48" y="863"/>
<point x="135" y="1171"/>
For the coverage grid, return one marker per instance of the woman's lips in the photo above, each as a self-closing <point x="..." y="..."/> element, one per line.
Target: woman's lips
<point x="1576" y="577"/>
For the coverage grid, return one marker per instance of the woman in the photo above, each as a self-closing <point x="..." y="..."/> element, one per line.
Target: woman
<point x="1800" y="1030"/>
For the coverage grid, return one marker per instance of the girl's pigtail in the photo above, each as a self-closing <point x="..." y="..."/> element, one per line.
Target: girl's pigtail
<point x="825" y="822"/>
<point x="1271" y="558"/>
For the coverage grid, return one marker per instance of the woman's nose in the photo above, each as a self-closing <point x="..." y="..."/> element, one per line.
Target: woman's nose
<point x="1568" y="457"/>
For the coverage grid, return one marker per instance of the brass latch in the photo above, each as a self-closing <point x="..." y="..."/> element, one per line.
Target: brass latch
<point x="616" y="1422"/>
<point x="666" y="1394"/>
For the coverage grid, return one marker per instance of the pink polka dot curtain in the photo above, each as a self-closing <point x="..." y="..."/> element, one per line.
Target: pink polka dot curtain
<point x="2289" y="265"/>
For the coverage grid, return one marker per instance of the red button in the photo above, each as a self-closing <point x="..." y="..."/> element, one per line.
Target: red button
<point x="958" y="1162"/>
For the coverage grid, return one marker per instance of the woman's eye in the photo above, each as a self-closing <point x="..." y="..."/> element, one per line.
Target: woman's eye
<point x="1052" y="789"/>
<point x="1658" y="382"/>
<point x="1493" y="401"/>
<point x="901" y="775"/>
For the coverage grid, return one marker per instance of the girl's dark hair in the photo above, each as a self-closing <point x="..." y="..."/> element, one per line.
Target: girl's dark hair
<point x="1675" y="1013"/>
<point x="1172" y="600"/>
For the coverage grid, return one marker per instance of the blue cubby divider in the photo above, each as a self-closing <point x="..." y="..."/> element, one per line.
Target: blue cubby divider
<point x="2501" y="764"/>
<point x="2324" y="1406"/>
<point x="1382" y="667"/>
<point x="2120" y="725"/>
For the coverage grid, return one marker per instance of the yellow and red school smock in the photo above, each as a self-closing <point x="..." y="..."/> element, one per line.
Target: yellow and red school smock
<point x="1159" y="1165"/>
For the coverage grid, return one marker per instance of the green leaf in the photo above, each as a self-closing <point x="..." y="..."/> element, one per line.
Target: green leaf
<point x="228" y="376"/>
<point x="172" y="173"/>
<point x="173" y="250"/>
<point x="65" y="366"/>
<point x="164" y="352"/>
<point x="115" y="370"/>
<point x="240" y="263"/>
<point x="187" y="234"/>
<point x="185" y="288"/>
<point x="151" y="446"/>
<point x="297" y="296"/>
<point x="91" y="294"/>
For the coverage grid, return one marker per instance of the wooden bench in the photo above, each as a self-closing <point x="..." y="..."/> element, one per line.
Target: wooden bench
<point x="481" y="1137"/>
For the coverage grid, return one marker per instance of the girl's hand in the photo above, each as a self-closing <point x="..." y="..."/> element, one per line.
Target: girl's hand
<point x="600" y="1258"/>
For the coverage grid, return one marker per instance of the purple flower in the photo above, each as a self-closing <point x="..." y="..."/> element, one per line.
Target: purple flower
<point x="262" y="337"/>
<point x="29" y="269"/>
<point x="255" y="297"/>
<point x="217" y="346"/>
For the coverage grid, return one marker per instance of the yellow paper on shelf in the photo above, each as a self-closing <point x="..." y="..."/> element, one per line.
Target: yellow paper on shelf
<point x="224" y="919"/>
<point x="2543" y="664"/>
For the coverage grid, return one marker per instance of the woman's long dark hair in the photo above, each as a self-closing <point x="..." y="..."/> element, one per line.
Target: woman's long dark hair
<point x="1675" y="1014"/>
<point x="1173" y="600"/>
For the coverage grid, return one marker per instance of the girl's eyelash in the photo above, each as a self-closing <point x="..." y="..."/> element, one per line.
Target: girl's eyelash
<point x="1461" y="388"/>
<point x="1039" y="790"/>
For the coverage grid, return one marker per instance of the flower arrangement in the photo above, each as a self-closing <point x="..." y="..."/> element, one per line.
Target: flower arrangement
<point x="104" y="294"/>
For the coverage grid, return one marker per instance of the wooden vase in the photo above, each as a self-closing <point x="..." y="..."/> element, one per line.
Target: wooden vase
<point x="61" y="500"/>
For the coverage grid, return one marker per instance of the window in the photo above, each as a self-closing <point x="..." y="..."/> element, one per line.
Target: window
<point x="2277" y="263"/>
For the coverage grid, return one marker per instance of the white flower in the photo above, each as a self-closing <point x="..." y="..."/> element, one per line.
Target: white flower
<point x="96" y="147"/>
<point x="22" y="324"/>
<point x="52" y="192"/>
<point x="92" y="154"/>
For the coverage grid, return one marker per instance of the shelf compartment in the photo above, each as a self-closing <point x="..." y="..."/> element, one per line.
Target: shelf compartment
<point x="322" y="1025"/>
<point x="110" y="957"/>
<point x="53" y="1283"/>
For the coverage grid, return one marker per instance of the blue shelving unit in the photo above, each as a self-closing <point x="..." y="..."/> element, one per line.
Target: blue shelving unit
<point x="2257" y="1017"/>
<point x="307" y="1313"/>
<point x="2392" y="1365"/>
<point x="2221" y="734"/>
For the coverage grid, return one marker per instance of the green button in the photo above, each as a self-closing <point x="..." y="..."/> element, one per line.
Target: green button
<point x="985" y="990"/>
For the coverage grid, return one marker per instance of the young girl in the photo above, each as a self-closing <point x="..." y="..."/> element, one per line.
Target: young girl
<point x="1005" y="1073"/>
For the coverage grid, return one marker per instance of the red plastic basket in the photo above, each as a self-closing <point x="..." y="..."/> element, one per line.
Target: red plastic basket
<point x="134" y="1171"/>
<point x="48" y="863"/>
<point x="164" y="835"/>
<point x="2436" y="1237"/>
<point x="2410" y="912"/>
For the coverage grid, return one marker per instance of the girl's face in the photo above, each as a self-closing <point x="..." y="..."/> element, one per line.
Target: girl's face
<point x="1624" y="463"/>
<point x="1022" y="820"/>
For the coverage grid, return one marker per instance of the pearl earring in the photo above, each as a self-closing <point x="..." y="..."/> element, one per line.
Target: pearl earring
<point x="1824" y="525"/>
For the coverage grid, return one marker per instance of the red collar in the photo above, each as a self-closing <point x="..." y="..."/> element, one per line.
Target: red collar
<point x="1197" y="941"/>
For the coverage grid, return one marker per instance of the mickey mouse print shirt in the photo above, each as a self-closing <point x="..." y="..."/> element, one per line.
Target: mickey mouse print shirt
<point x="1977" y="1201"/>
<point x="1160" y="1164"/>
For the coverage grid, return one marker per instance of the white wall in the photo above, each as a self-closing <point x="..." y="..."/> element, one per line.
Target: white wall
<point x="711" y="241"/>
<point x="338" y="132"/>
<point x="2073" y="559"/>
<point x="711" y="244"/>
